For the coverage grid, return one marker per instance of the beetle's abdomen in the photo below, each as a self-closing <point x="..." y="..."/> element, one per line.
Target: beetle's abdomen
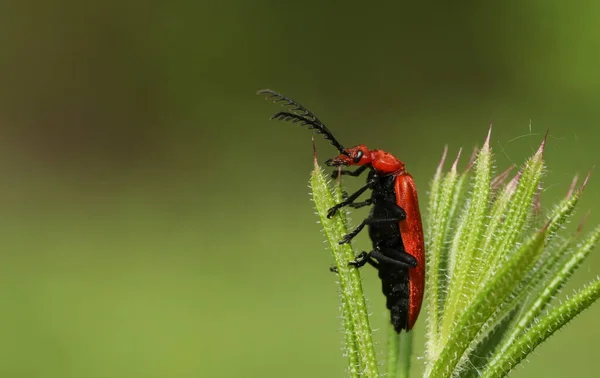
<point x="395" y="287"/>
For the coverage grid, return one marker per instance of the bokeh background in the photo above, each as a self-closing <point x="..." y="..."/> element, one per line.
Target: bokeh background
<point x="155" y="223"/>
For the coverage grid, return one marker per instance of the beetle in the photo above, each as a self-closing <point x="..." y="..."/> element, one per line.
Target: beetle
<point x="394" y="222"/>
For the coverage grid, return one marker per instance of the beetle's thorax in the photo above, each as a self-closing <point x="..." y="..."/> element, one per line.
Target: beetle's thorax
<point x="386" y="163"/>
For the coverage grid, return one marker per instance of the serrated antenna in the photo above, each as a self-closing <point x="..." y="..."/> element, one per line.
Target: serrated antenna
<point x="299" y="114"/>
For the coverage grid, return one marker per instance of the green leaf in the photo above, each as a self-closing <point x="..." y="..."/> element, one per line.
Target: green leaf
<point x="494" y="292"/>
<point x="508" y="225"/>
<point x="550" y="288"/>
<point x="528" y="293"/>
<point x="542" y="330"/>
<point x="465" y="243"/>
<point x="438" y="229"/>
<point x="354" y="309"/>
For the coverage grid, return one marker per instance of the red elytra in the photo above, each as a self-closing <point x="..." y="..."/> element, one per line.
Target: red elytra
<point x="414" y="242"/>
<point x="394" y="223"/>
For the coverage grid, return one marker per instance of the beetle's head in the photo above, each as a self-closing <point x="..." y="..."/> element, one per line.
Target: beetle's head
<point x="357" y="155"/>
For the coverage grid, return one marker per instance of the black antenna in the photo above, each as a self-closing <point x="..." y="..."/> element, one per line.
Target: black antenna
<point x="299" y="113"/>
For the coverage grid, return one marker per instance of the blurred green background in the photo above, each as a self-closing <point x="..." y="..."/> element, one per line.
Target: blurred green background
<point x="156" y="224"/>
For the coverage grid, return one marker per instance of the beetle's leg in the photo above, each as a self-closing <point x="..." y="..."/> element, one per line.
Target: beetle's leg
<point x="376" y="258"/>
<point x="336" y="173"/>
<point x="360" y="260"/>
<point x="350" y="199"/>
<point x="399" y="214"/>
<point x="358" y="205"/>
<point x="349" y="236"/>
<point x="394" y="257"/>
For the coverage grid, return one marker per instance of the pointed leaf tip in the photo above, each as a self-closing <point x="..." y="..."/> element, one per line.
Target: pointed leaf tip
<point x="472" y="159"/>
<point x="499" y="180"/>
<point x="540" y="151"/>
<point x="585" y="181"/>
<point x="583" y="221"/>
<point x="512" y="185"/>
<point x="486" y="144"/>
<point x="314" y="146"/>
<point x="574" y="184"/>
<point x="455" y="164"/>
<point x="572" y="187"/>
<point x="546" y="226"/>
<point x="439" y="168"/>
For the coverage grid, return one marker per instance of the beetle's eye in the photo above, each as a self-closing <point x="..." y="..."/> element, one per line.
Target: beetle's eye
<point x="358" y="156"/>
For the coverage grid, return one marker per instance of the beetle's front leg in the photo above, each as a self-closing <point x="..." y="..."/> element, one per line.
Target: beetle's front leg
<point x="355" y="173"/>
<point x="350" y="199"/>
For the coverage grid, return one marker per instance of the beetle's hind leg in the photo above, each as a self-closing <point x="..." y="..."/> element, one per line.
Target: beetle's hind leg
<point x="395" y="257"/>
<point x="383" y="257"/>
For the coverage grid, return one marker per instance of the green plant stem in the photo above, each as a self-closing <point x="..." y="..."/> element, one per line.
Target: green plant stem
<point x="393" y="347"/>
<point x="485" y="303"/>
<point x="406" y="341"/>
<point x="351" y="346"/>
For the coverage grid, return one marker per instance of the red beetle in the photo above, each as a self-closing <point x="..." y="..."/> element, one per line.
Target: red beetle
<point x="394" y="222"/>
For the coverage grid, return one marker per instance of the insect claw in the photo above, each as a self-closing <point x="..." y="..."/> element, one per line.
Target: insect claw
<point x="346" y="239"/>
<point x="332" y="211"/>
